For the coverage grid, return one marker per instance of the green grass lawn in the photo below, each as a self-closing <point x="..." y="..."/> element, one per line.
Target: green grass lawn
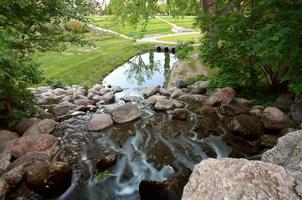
<point x="185" y="21"/>
<point x="154" y="26"/>
<point x="88" y="65"/>
<point x="183" y="38"/>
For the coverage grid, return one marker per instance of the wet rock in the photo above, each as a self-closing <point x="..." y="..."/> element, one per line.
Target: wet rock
<point x="193" y="97"/>
<point x="247" y="127"/>
<point x="177" y="93"/>
<point x="107" y="161"/>
<point x="164" y="92"/>
<point x="201" y="84"/>
<point x="49" y="180"/>
<point x="257" y="111"/>
<point x="32" y="143"/>
<point x="63" y="108"/>
<point x="68" y="116"/>
<point x="153" y="99"/>
<point x="198" y="90"/>
<point x="125" y="113"/>
<point x="180" y="114"/>
<point x="14" y="176"/>
<point x="4" y="189"/>
<point x="107" y="98"/>
<point x="6" y="136"/>
<point x="116" y="89"/>
<point x="268" y="141"/>
<point x="239" y="179"/>
<point x="283" y="102"/>
<point x="26" y="124"/>
<point x="233" y="110"/>
<point x="273" y="118"/>
<point x="96" y="98"/>
<point x="167" y="190"/>
<point x="46" y="115"/>
<point x="83" y="102"/>
<point x="109" y="108"/>
<point x="222" y="96"/>
<point x="181" y="84"/>
<point x="30" y="158"/>
<point x="60" y="91"/>
<point x="296" y="112"/>
<point x="22" y="192"/>
<point x="100" y="122"/>
<point x="132" y="99"/>
<point x="287" y="153"/>
<point x="148" y="92"/>
<point x="45" y="126"/>
<point x="243" y="101"/>
<point x="5" y="157"/>
<point x="177" y="104"/>
<point x="163" y="105"/>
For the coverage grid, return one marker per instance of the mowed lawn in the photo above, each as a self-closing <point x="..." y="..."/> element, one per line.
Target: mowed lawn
<point x="154" y="26"/>
<point x="183" y="38"/>
<point x="183" y="21"/>
<point x="89" y="65"/>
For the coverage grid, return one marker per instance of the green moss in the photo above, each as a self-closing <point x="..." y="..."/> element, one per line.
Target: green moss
<point x="102" y="175"/>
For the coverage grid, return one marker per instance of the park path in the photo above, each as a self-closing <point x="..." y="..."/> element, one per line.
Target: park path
<point x="158" y="37"/>
<point x="153" y="38"/>
<point x="100" y="29"/>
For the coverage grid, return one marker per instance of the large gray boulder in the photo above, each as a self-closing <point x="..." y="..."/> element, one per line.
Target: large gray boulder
<point x="125" y="113"/>
<point x="288" y="154"/>
<point x="99" y="122"/>
<point x="238" y="179"/>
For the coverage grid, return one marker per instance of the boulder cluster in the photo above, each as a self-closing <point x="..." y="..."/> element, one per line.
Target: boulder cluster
<point x="277" y="176"/>
<point x="27" y="154"/>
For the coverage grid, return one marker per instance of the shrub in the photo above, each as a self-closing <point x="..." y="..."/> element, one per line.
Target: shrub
<point x="76" y="26"/>
<point x="184" y="49"/>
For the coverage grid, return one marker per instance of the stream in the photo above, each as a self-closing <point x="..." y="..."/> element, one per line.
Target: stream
<point x="153" y="148"/>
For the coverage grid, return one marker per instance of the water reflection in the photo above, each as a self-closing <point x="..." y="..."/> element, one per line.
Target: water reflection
<point x="145" y="70"/>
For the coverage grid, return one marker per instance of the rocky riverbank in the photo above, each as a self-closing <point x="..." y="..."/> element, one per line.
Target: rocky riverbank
<point x="41" y="156"/>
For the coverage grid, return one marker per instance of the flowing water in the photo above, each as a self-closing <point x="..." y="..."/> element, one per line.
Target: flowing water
<point x="156" y="147"/>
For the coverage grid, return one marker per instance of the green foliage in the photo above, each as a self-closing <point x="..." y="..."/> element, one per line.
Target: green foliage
<point x="102" y="175"/>
<point x="22" y="32"/>
<point x="76" y="26"/>
<point x="255" y="43"/>
<point x="184" y="49"/>
<point x="56" y="83"/>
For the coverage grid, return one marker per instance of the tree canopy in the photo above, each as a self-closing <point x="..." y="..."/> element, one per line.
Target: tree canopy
<point x="23" y="30"/>
<point x="249" y="43"/>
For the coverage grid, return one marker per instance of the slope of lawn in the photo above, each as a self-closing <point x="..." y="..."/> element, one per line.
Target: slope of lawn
<point x="88" y="65"/>
<point x="183" y="38"/>
<point x="154" y="26"/>
<point x="183" y="21"/>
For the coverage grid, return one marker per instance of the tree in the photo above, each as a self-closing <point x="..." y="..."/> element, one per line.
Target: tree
<point x="249" y="42"/>
<point x="22" y="34"/>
